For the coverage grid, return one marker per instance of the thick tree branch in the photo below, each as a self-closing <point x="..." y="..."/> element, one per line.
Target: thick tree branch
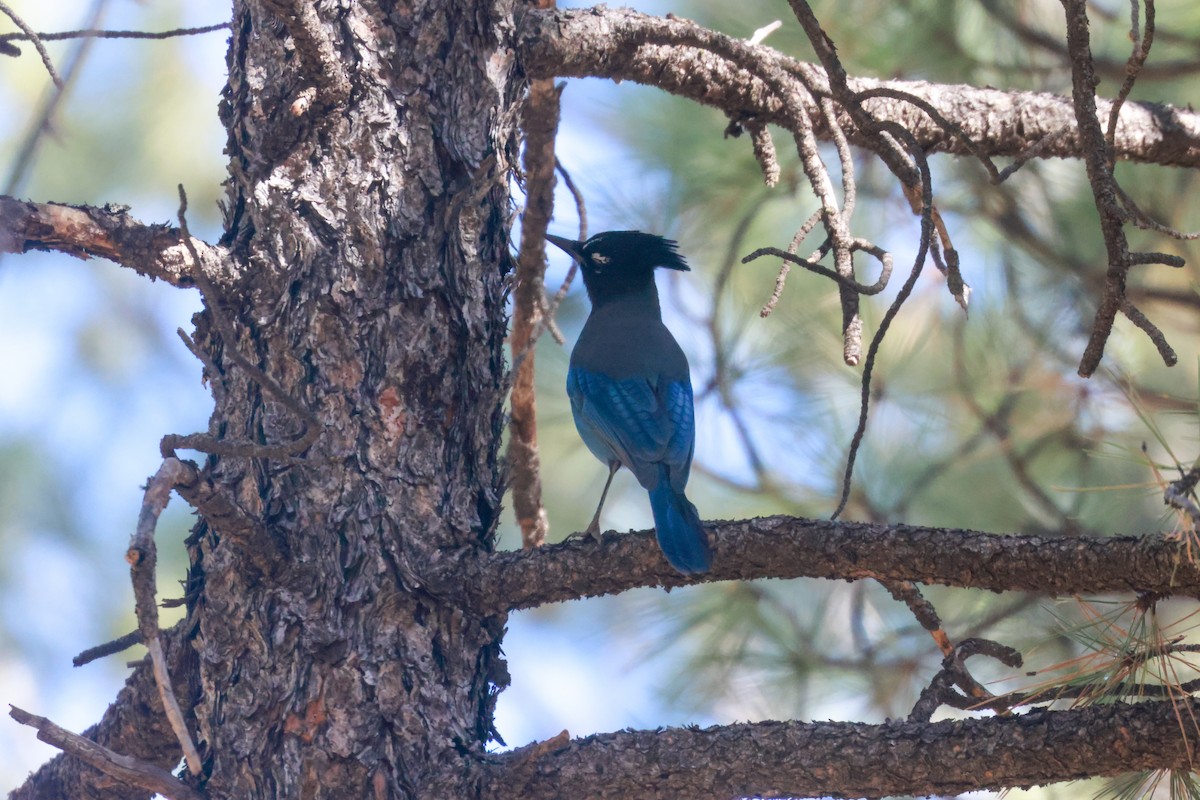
<point x="846" y="759"/>
<point x="108" y="232"/>
<point x="612" y="43"/>
<point x="789" y="547"/>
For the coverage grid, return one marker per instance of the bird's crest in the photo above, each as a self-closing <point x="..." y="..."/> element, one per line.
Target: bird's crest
<point x="633" y="250"/>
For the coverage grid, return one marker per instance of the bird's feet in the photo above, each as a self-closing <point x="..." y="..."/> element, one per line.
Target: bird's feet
<point x="592" y="532"/>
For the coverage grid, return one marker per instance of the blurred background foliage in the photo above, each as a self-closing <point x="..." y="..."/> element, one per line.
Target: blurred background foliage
<point x="977" y="422"/>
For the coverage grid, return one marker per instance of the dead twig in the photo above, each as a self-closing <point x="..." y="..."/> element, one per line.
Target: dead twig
<point x="926" y="237"/>
<point x="142" y="556"/>
<point x="123" y="768"/>
<point x="33" y="37"/>
<point x="548" y="319"/>
<point x="98" y="33"/>
<point x="1099" y="161"/>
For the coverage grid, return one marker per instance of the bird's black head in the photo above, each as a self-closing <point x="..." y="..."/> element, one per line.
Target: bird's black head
<point x="616" y="263"/>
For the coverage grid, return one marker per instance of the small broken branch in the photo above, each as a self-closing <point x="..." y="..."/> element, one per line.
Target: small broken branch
<point x="118" y="645"/>
<point x="123" y="768"/>
<point x="1181" y="495"/>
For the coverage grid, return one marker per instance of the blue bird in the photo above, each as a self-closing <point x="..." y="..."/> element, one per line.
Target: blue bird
<point x="630" y="388"/>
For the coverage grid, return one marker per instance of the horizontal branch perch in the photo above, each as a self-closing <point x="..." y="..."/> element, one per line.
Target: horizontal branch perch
<point x="609" y="43"/>
<point x="792" y="759"/>
<point x="108" y="232"/>
<point x="791" y="547"/>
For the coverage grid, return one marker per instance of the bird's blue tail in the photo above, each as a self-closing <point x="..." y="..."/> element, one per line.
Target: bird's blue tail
<point x="680" y="534"/>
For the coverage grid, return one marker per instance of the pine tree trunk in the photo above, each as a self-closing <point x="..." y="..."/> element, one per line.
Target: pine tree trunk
<point x="373" y="232"/>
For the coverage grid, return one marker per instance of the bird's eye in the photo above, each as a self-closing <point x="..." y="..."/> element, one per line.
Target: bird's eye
<point x="600" y="258"/>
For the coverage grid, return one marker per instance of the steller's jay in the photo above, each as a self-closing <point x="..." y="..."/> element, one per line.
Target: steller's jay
<point x="630" y="389"/>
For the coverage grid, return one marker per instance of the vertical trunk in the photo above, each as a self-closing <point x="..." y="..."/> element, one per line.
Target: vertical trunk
<point x="374" y="238"/>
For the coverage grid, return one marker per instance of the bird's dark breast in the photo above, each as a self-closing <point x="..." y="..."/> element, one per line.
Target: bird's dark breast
<point x="630" y="348"/>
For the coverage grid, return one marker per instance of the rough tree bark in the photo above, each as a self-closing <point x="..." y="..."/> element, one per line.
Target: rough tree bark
<point x="347" y="643"/>
<point x="372" y="228"/>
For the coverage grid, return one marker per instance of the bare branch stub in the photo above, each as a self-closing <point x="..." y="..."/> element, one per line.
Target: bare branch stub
<point x="118" y="645"/>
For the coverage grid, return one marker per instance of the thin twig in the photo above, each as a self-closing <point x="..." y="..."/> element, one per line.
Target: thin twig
<point x="547" y="321"/>
<point x="1133" y="68"/>
<point x="785" y="268"/>
<point x="885" y="261"/>
<point x="122" y="768"/>
<point x="32" y="36"/>
<point x="142" y="556"/>
<point x="1142" y="220"/>
<point x="97" y="33"/>
<point x="1031" y="152"/>
<point x="42" y="122"/>
<point x="905" y="290"/>
<point x="1100" y="175"/>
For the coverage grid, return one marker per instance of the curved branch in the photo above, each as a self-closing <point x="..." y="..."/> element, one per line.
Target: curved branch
<point x="792" y="547"/>
<point x="609" y="43"/>
<point x="108" y="232"/>
<point x="847" y="759"/>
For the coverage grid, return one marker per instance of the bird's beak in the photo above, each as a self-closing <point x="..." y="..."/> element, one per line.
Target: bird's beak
<point x="571" y="247"/>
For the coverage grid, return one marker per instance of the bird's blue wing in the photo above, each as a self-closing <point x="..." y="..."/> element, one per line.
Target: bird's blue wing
<point x="641" y="423"/>
<point x="676" y="398"/>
